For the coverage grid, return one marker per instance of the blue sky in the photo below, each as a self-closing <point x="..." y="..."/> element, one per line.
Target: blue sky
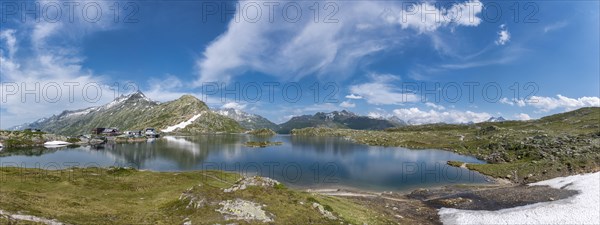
<point x="365" y="56"/>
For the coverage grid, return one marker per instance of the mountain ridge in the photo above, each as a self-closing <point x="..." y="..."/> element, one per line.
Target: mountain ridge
<point x="337" y="119"/>
<point x="247" y="120"/>
<point x="135" y="112"/>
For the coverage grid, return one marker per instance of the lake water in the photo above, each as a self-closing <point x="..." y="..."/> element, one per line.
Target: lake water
<point x="301" y="162"/>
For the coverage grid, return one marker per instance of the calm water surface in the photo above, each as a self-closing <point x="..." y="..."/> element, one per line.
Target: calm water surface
<point x="301" y="162"/>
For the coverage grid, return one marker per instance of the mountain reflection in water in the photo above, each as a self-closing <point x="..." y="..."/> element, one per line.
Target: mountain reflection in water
<point x="305" y="162"/>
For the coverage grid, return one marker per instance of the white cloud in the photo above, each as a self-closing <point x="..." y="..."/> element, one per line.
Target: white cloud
<point x="166" y="82"/>
<point x="555" y="26"/>
<point x="561" y="102"/>
<point x="379" y="113"/>
<point x="514" y="101"/>
<point x="51" y="66"/>
<point x="353" y="96"/>
<point x="8" y="36"/>
<point x="376" y="115"/>
<point x="169" y="87"/>
<point x="503" y="35"/>
<point x="347" y="104"/>
<point x="56" y="81"/>
<point x="234" y="105"/>
<point x="416" y="116"/>
<point x="426" y="17"/>
<point x="304" y="47"/>
<point x="545" y="104"/>
<point x="522" y="116"/>
<point x="433" y="105"/>
<point x="381" y="91"/>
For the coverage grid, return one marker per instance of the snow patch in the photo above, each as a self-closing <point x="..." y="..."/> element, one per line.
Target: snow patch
<point x="583" y="208"/>
<point x="115" y="102"/>
<point x="223" y="112"/>
<point x="56" y="144"/>
<point x="82" y="112"/>
<point x="182" y="124"/>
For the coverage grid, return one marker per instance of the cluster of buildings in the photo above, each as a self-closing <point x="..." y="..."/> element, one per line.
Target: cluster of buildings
<point x="148" y="132"/>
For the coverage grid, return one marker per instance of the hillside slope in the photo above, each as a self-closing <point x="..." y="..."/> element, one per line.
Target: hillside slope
<point x="136" y="112"/>
<point x="247" y="120"/>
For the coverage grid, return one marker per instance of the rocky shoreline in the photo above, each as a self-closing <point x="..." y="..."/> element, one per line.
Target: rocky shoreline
<point x="27" y="139"/>
<point x="22" y="139"/>
<point x="421" y="205"/>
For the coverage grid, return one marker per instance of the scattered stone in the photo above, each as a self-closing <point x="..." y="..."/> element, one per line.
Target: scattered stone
<point x="246" y="182"/>
<point x="455" y="201"/>
<point x="325" y="213"/>
<point x="492" y="198"/>
<point x="243" y="210"/>
<point x="193" y="200"/>
<point x="18" y="218"/>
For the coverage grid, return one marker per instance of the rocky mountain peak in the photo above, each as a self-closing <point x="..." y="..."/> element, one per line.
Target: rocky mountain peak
<point x="130" y="99"/>
<point x="496" y="119"/>
<point x="189" y="98"/>
<point x="137" y="95"/>
<point x="335" y="115"/>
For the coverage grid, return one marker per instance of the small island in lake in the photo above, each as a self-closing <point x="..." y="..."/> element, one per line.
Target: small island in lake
<point x="262" y="144"/>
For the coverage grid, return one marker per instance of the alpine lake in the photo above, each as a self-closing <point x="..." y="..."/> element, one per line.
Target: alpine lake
<point x="299" y="162"/>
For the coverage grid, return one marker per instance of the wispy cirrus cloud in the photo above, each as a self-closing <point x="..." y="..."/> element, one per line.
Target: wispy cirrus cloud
<point x="353" y="96"/>
<point x="546" y="104"/>
<point x="305" y="47"/>
<point x="555" y="26"/>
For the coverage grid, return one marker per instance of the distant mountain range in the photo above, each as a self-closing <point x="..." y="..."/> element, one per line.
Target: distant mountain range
<point x="339" y="119"/>
<point x="190" y="115"/>
<point x="136" y="112"/>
